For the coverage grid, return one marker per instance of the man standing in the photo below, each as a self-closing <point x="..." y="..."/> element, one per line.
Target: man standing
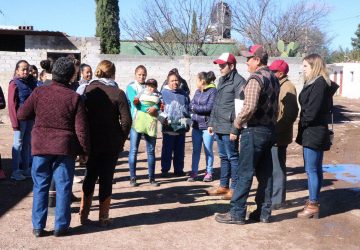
<point x="288" y="111"/>
<point x="59" y="134"/>
<point x="221" y="123"/>
<point x="258" y="117"/>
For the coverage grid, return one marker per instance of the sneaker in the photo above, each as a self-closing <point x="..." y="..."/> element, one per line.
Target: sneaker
<point x="192" y="177"/>
<point x="133" y="182"/>
<point x="17" y="176"/>
<point x="179" y="174"/>
<point x="2" y="175"/>
<point x="164" y="175"/>
<point x="207" y="177"/>
<point x="27" y="173"/>
<point x="154" y="183"/>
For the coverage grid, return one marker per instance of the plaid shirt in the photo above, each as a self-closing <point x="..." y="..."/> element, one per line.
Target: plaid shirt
<point x="252" y="92"/>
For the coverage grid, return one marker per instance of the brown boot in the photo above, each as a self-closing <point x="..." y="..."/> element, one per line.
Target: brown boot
<point x="311" y="210"/>
<point x="228" y="195"/>
<point x="104" y="212"/>
<point x="218" y="191"/>
<point x="85" y="208"/>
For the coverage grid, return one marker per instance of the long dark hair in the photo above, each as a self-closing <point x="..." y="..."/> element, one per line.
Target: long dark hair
<point x="208" y="77"/>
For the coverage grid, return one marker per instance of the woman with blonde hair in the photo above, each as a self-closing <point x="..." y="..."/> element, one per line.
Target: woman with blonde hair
<point x="313" y="134"/>
<point x="109" y="122"/>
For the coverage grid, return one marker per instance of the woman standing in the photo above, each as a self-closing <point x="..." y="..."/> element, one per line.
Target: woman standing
<point x="86" y="74"/>
<point x="20" y="88"/>
<point x="200" y="107"/>
<point x="313" y="134"/>
<point x="132" y="91"/>
<point x="175" y="121"/>
<point x="108" y="133"/>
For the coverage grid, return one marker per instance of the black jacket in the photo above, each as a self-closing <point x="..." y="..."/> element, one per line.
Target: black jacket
<point x="316" y="104"/>
<point x="223" y="113"/>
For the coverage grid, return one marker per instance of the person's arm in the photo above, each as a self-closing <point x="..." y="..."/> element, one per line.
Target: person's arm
<point x="315" y="100"/>
<point x="205" y="108"/>
<point x="82" y="127"/>
<point x="12" y="105"/>
<point x="125" y="117"/>
<point x="290" y="108"/>
<point x="252" y="94"/>
<point x="2" y="99"/>
<point x="27" y="110"/>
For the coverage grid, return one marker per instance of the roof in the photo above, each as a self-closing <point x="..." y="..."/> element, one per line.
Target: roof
<point x="140" y="48"/>
<point x="7" y="31"/>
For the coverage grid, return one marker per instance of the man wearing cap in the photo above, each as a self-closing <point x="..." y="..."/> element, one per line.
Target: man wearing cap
<point x="257" y="119"/>
<point x="288" y="111"/>
<point x="59" y="134"/>
<point x="221" y="123"/>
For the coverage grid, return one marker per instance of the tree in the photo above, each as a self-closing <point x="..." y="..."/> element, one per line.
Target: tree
<point x="107" y="26"/>
<point x="355" y="42"/>
<point x="171" y="27"/>
<point x="265" y="22"/>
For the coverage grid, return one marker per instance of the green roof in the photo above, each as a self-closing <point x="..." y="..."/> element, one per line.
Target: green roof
<point x="132" y="48"/>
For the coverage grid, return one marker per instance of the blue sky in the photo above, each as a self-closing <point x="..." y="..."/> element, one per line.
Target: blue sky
<point x="77" y="17"/>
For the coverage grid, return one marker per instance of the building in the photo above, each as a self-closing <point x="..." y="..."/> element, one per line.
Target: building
<point x="347" y="75"/>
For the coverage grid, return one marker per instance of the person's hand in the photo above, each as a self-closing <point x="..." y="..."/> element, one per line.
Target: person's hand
<point x="233" y="137"/>
<point x="210" y="130"/>
<point x="236" y="125"/>
<point x="152" y="111"/>
<point x="136" y="101"/>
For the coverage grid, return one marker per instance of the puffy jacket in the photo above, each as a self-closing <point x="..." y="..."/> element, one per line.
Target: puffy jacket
<point x="223" y="113"/>
<point x="201" y="106"/>
<point x="315" y="100"/>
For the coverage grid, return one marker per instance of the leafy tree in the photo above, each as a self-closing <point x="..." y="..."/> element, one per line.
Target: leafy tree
<point x="355" y="42"/>
<point x="107" y="25"/>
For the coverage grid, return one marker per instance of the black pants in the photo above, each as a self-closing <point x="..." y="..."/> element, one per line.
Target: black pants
<point x="100" y="166"/>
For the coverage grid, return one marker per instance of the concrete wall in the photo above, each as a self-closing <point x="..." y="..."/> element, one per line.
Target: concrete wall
<point x="37" y="47"/>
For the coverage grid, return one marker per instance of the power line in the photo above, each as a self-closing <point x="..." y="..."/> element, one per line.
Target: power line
<point x="347" y="18"/>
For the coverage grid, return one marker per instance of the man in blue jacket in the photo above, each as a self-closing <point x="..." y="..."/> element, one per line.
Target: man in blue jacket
<point x="221" y="123"/>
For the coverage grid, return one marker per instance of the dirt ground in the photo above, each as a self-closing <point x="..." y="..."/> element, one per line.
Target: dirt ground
<point x="179" y="215"/>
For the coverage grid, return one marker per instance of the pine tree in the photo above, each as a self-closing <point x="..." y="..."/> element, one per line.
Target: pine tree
<point x="355" y="42"/>
<point x="107" y="26"/>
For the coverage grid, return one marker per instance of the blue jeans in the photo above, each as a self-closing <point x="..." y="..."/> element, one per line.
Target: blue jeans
<point x="135" y="138"/>
<point x="229" y="159"/>
<point x="173" y="144"/>
<point x="200" y="136"/>
<point x="255" y="159"/>
<point x="313" y="167"/>
<point x="279" y="174"/>
<point x="44" y="168"/>
<point x="21" y="150"/>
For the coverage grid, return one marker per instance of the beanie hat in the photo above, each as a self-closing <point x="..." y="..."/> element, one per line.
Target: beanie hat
<point x="63" y="70"/>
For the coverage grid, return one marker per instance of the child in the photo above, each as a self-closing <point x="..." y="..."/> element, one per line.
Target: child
<point x="148" y="97"/>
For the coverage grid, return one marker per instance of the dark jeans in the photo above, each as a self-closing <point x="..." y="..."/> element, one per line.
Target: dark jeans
<point x="173" y="144"/>
<point x="229" y="159"/>
<point x="100" y="166"/>
<point x="44" y="168"/>
<point x="255" y="158"/>
<point x="279" y="174"/>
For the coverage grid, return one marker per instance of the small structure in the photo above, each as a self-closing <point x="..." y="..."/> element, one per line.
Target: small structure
<point x="347" y="75"/>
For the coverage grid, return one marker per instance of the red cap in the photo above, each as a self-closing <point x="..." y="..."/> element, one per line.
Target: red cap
<point x="226" y="58"/>
<point x="255" y="50"/>
<point x="279" y="65"/>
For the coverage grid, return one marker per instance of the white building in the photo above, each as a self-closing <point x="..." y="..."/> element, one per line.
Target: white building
<point x="347" y="75"/>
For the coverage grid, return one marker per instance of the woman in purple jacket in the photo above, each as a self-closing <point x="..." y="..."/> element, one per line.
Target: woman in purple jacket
<point x="201" y="106"/>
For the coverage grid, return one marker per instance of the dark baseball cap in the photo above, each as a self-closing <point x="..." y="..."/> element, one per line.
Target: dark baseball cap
<point x="255" y="50"/>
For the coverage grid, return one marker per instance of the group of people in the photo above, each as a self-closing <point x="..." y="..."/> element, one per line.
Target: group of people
<point x="251" y="121"/>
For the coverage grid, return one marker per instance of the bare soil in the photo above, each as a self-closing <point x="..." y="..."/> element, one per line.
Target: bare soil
<point x="179" y="215"/>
